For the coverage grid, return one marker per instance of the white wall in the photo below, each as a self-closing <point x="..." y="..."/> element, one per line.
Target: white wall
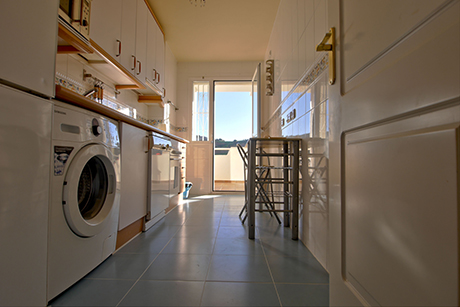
<point x="299" y="26"/>
<point x="229" y="166"/>
<point x="199" y="154"/>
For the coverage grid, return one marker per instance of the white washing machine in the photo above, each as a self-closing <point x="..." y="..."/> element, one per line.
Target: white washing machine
<point x="85" y="194"/>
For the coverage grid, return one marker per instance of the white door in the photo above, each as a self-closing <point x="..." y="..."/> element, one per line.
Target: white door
<point x="128" y="35"/>
<point x="394" y="153"/>
<point x="29" y="41"/>
<point x="105" y="26"/>
<point x="25" y="142"/>
<point x="134" y="174"/>
<point x="151" y="49"/>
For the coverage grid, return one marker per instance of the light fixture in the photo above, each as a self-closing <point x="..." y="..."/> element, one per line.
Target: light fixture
<point x="200" y="2"/>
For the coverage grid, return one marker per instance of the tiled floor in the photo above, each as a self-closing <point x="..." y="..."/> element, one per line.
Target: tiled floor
<point x="199" y="255"/>
<point x="225" y="185"/>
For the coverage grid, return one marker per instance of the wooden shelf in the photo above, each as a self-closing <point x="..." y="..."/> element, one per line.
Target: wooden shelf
<point x="69" y="43"/>
<point x="151" y="99"/>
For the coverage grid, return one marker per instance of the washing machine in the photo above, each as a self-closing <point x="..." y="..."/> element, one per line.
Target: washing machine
<point x="84" y="195"/>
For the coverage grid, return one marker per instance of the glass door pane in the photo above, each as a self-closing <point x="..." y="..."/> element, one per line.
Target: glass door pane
<point x="232" y="126"/>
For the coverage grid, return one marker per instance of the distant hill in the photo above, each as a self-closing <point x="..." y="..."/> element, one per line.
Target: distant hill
<point x="220" y="143"/>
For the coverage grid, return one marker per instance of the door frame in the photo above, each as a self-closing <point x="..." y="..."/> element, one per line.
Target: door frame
<point x="212" y="122"/>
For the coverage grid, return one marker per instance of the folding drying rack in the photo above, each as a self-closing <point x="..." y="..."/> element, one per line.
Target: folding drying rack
<point x="273" y="180"/>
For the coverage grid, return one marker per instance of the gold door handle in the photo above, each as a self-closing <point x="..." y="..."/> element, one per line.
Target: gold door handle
<point x="324" y="46"/>
<point x="328" y="44"/>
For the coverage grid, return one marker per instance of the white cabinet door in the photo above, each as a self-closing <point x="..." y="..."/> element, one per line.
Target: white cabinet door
<point x="151" y="37"/>
<point x="141" y="40"/>
<point x="160" y="57"/>
<point x="128" y="35"/>
<point x="105" y="26"/>
<point x="134" y="166"/>
<point x="29" y="38"/>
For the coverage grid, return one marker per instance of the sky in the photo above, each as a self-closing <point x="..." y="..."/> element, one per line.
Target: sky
<point x="233" y="115"/>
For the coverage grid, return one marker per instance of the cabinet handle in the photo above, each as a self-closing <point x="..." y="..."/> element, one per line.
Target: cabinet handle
<point x="154" y="74"/>
<point x="149" y="143"/>
<point x="140" y="67"/>
<point x="158" y="81"/>
<point x="134" y="62"/>
<point x="119" y="47"/>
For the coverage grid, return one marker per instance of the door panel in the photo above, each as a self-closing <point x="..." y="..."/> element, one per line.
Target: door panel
<point x="393" y="154"/>
<point x="373" y="26"/>
<point x="400" y="212"/>
<point x="29" y="40"/>
<point x="134" y="173"/>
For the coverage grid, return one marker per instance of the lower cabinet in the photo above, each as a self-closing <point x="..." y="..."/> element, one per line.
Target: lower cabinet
<point x="134" y="172"/>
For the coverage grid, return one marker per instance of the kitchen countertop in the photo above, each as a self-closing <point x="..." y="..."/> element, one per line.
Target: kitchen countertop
<point x="66" y="95"/>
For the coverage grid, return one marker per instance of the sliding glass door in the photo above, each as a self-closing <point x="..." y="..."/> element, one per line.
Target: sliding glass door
<point x="232" y="125"/>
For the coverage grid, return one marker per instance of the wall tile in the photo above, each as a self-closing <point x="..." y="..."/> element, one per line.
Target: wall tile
<point x="74" y="69"/>
<point x="302" y="49"/>
<point x="61" y="63"/>
<point x="310" y="45"/>
<point x="320" y="21"/>
<point x="301" y="20"/>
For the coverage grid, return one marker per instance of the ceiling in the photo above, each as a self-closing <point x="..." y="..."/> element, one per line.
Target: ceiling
<point x="222" y="30"/>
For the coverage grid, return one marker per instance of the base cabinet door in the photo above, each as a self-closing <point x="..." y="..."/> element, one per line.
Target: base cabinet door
<point x="134" y="167"/>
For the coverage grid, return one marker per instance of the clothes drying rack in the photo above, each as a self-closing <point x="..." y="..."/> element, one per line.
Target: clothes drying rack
<point x="273" y="180"/>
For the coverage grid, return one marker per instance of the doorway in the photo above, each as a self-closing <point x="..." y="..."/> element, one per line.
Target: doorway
<point x="232" y="126"/>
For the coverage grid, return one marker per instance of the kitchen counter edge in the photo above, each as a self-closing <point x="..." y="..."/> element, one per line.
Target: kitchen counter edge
<point x="66" y="95"/>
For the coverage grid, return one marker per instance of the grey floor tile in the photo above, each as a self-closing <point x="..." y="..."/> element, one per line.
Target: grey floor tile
<point x="284" y="246"/>
<point x="144" y="245"/>
<point x="162" y="230"/>
<point x="202" y="221"/>
<point x="232" y="209"/>
<point x="239" y="294"/>
<point x="92" y="292"/>
<point x="190" y="245"/>
<point x="178" y="267"/>
<point x="249" y="268"/>
<point x="303" y="295"/>
<point x="230" y="221"/>
<point x="164" y="293"/>
<point x="173" y="219"/>
<point x="197" y="231"/>
<point x="239" y="231"/>
<point x="123" y="266"/>
<point x="297" y="270"/>
<point x="237" y="246"/>
<point x="205" y="238"/>
<point x="231" y="214"/>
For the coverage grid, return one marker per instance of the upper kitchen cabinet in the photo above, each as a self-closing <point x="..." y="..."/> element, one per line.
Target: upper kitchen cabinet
<point x="160" y="58"/>
<point x="141" y="40"/>
<point x="129" y="34"/>
<point x="29" y="39"/>
<point x="155" y="55"/>
<point x="106" y="23"/>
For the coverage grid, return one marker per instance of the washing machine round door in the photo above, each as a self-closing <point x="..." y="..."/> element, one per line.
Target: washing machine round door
<point x="89" y="190"/>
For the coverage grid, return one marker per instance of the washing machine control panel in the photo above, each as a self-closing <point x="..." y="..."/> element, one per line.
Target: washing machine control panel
<point x="96" y="127"/>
